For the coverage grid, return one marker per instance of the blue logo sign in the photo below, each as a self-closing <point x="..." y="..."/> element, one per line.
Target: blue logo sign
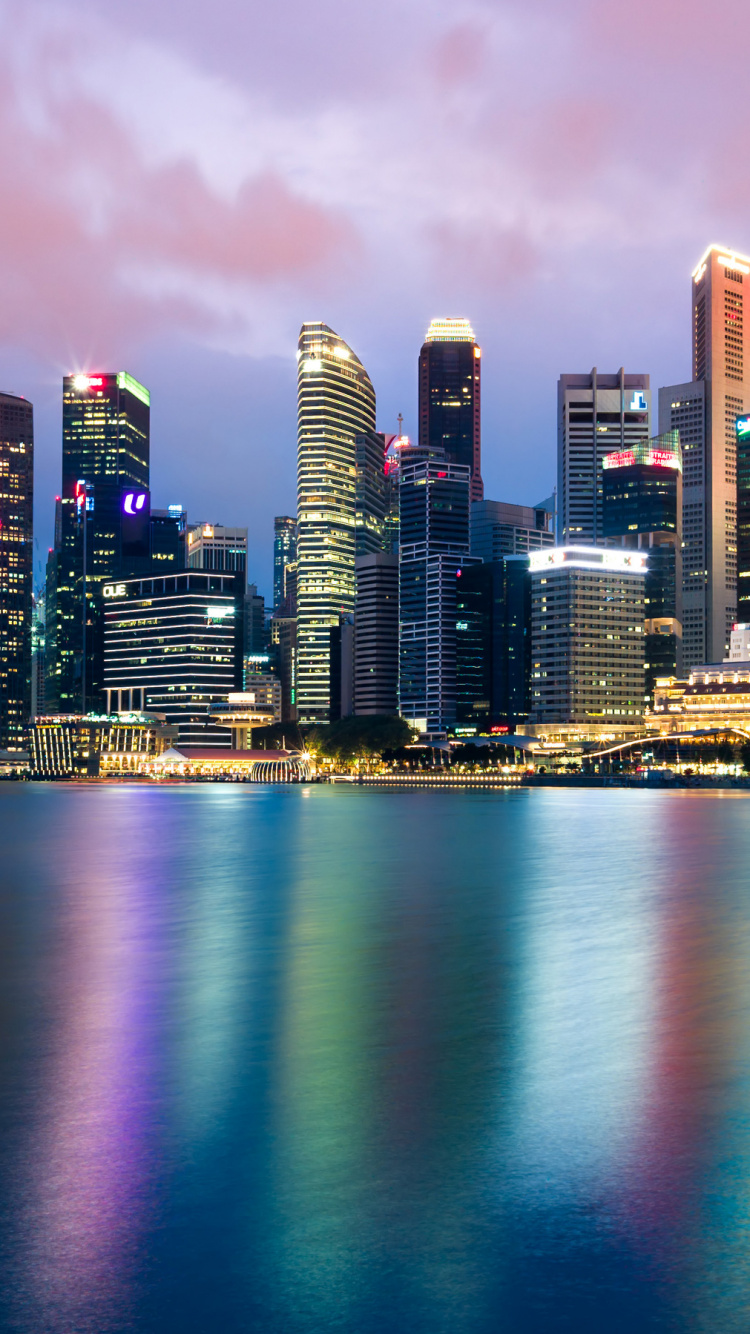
<point x="639" y="402"/>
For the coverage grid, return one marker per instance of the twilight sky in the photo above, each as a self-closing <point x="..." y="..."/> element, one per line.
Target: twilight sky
<point x="184" y="183"/>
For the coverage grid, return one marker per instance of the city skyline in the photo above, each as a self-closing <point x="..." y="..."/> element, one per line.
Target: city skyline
<point x="140" y="229"/>
<point x="543" y="464"/>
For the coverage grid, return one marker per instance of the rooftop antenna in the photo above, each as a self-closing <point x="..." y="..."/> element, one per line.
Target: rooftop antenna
<point x="400" y="420"/>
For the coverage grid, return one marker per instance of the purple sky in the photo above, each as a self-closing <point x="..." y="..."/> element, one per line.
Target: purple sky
<point x="184" y="183"/>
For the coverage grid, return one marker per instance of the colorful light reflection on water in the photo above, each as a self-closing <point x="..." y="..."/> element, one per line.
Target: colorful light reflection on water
<point x="309" y="1059"/>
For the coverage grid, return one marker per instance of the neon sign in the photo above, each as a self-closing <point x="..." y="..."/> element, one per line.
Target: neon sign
<point x="134" y="502"/>
<point x="652" y="458"/>
<point x="113" y="591"/>
<point x="588" y="558"/>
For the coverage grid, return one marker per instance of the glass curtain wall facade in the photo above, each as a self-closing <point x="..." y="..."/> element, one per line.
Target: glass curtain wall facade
<point x="450" y="400"/>
<point x="743" y="519"/>
<point x="106" y="425"/>
<point x="643" y="511"/>
<point x="493" y="646"/>
<point x="434" y="544"/>
<point x="370" y="491"/>
<point x="284" y="555"/>
<point x="336" y="403"/>
<point x="16" y="568"/>
<point x="499" y="529"/>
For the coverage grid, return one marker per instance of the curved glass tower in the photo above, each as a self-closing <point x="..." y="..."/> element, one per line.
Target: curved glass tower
<point x="336" y="403"/>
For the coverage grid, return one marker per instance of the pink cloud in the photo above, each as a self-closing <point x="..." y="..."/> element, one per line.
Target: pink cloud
<point x="459" y="55"/>
<point x="85" y="212"/>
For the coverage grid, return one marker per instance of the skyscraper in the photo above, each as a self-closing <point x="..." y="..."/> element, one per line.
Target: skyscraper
<point x="370" y="492"/>
<point x="16" y="567"/>
<point x="499" y="529"/>
<point x="336" y="403"/>
<point x="284" y="554"/>
<point x="596" y="414"/>
<point x="493" y="645"/>
<point x="743" y="519"/>
<point x="434" y="544"/>
<point x="450" y="396"/>
<point x="643" y="511"/>
<point x="587" y="641"/>
<point x="704" y="411"/>
<point x="173" y="644"/>
<point x="214" y="547"/>
<point x="376" y="634"/>
<point x="105" y="481"/>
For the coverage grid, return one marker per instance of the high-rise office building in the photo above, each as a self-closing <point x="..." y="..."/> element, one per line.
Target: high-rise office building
<point x="211" y="546"/>
<point x="450" y="396"/>
<point x="587" y="640"/>
<point x="284" y="555"/>
<point x="370" y="492"/>
<point x="168" y="541"/>
<point x="173" y="645"/>
<point x="394" y="446"/>
<point x="104" y="518"/>
<point x="38" y="651"/>
<point x="704" y="411"/>
<point x="493" y="646"/>
<point x="743" y="518"/>
<point x="256" y="633"/>
<point x="499" y="529"/>
<point x="284" y="645"/>
<point x="596" y="415"/>
<point x="341" y="682"/>
<point x="336" y="403"/>
<point x="643" y="511"/>
<point x="434" y="544"/>
<point x="376" y="634"/>
<point x="16" y="567"/>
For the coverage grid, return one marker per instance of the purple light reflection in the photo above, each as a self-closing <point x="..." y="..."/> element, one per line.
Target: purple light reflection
<point x="88" y="1153"/>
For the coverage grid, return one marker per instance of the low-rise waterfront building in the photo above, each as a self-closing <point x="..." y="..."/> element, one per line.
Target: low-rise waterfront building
<point x="94" y="746"/>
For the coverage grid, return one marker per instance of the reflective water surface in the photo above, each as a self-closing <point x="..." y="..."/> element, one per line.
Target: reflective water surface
<point x="308" y="1059"/>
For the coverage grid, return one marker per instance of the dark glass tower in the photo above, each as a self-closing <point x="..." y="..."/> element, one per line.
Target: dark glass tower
<point x="434" y="544"/>
<point x="104" y="521"/>
<point x="450" y="397"/>
<point x="284" y="554"/>
<point x="369" y="492"/>
<point x="493" y="645"/>
<point x="642" y="508"/>
<point x="16" y="547"/>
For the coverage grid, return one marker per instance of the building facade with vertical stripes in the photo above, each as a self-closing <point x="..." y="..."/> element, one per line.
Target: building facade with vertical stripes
<point x="704" y="411"/>
<point x="336" y="403"/>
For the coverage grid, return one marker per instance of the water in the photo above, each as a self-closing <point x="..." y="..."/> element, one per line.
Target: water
<point x="309" y="1059"/>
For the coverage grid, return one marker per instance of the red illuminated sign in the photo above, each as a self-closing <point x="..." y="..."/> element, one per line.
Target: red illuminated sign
<point x="625" y="459"/>
<point x="499" y="727"/>
<point x="661" y="458"/>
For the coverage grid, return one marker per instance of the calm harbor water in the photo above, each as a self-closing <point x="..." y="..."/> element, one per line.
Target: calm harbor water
<point x="307" y="1059"/>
